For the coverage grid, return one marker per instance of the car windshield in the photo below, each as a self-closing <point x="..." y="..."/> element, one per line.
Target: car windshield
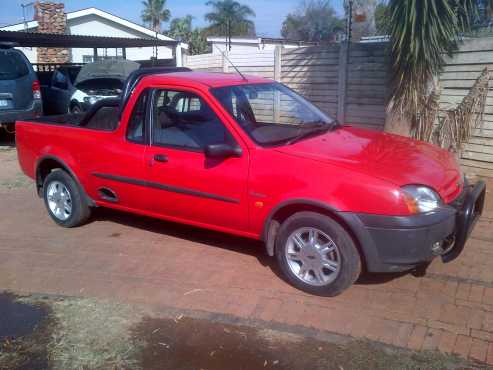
<point x="272" y="114"/>
<point x="12" y="65"/>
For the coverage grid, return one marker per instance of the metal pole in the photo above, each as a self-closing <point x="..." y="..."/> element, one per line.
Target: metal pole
<point x="349" y="21"/>
<point x="24" y="6"/>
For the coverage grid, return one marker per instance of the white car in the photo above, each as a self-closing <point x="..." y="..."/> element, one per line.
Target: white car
<point x="100" y="80"/>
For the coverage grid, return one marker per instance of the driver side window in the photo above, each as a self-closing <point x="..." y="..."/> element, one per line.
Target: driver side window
<point x="183" y="120"/>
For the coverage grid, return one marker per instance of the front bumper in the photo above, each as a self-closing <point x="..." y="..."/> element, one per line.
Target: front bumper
<point x="400" y="243"/>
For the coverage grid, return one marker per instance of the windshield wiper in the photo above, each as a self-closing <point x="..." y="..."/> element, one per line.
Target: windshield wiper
<point x="314" y="128"/>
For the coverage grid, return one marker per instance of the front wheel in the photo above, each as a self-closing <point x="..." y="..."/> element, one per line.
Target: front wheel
<point x="75" y="109"/>
<point x="64" y="200"/>
<point x="317" y="255"/>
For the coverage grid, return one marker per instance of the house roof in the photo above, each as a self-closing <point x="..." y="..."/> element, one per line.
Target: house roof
<point x="92" y="11"/>
<point x="37" y="39"/>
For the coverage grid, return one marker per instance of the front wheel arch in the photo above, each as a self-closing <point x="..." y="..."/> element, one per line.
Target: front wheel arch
<point x="73" y="104"/>
<point x="286" y="209"/>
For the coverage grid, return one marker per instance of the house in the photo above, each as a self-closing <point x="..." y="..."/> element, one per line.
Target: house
<point x="51" y="18"/>
<point x="249" y="44"/>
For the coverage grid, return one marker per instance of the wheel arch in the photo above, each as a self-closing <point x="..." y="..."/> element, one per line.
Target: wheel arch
<point x="73" y="103"/>
<point x="46" y="165"/>
<point x="286" y="209"/>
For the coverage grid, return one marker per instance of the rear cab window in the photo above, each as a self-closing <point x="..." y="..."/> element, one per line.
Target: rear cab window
<point x="12" y="65"/>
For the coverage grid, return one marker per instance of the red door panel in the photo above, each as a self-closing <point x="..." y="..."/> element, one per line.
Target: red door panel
<point x="189" y="186"/>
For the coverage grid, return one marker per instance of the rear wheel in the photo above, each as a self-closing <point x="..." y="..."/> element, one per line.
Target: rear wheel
<point x="64" y="200"/>
<point x="316" y="254"/>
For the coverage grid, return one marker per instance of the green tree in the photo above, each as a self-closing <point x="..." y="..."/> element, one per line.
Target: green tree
<point x="422" y="33"/>
<point x="154" y="13"/>
<point x="230" y="18"/>
<point x="181" y="29"/>
<point x="315" y="21"/>
<point x="198" y="42"/>
<point x="382" y="17"/>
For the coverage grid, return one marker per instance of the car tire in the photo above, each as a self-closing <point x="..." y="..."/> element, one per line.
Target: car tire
<point x="316" y="254"/>
<point x="64" y="200"/>
<point x="75" y="109"/>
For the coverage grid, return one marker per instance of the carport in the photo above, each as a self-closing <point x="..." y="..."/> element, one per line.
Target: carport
<point x="51" y="40"/>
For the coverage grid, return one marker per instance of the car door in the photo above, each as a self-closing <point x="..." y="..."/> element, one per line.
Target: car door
<point x="114" y="161"/>
<point x="60" y="91"/>
<point x="184" y="183"/>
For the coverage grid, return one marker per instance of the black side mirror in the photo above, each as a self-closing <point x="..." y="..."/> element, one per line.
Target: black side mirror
<point x="222" y="151"/>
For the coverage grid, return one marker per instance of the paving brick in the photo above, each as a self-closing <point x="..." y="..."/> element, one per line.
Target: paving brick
<point x="432" y="339"/>
<point x="429" y="308"/>
<point x="268" y="309"/>
<point x="455" y="315"/>
<point x="338" y="321"/>
<point x="463" y="291"/>
<point x="245" y="308"/>
<point x="447" y="342"/>
<point x="476" y="293"/>
<point x="417" y="337"/>
<point x="488" y="296"/>
<point x="488" y="321"/>
<point x="459" y="330"/>
<point x="462" y="346"/>
<point x="404" y="331"/>
<point x="451" y="288"/>
<point x="382" y="330"/>
<point x="489" y="357"/>
<point x="359" y="326"/>
<point x="481" y="334"/>
<point x="479" y="350"/>
<point x="401" y="302"/>
<point x="476" y="319"/>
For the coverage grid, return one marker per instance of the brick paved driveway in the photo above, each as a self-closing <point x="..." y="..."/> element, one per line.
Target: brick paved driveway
<point x="141" y="260"/>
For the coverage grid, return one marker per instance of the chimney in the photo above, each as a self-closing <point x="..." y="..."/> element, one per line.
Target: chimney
<point x="51" y="19"/>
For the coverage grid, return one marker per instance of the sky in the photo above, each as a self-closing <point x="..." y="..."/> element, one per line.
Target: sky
<point x="270" y="13"/>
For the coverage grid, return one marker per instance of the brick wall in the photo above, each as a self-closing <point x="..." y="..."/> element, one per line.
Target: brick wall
<point x="51" y="19"/>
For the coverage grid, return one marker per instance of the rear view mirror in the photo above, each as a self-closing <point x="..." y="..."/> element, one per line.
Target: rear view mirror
<point x="222" y="151"/>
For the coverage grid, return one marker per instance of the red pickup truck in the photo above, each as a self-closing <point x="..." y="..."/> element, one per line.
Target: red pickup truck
<point x="248" y="156"/>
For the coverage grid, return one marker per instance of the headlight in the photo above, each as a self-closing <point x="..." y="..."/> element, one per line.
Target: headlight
<point x="420" y="199"/>
<point x="91" y="99"/>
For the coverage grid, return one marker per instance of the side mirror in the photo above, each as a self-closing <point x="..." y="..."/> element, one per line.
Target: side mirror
<point x="222" y="151"/>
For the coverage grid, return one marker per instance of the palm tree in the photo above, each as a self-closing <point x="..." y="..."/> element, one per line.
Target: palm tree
<point x="231" y="18"/>
<point x="154" y="13"/>
<point x="422" y="33"/>
<point x="181" y="28"/>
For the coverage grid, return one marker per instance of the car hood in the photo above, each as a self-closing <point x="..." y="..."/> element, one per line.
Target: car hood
<point x="106" y="69"/>
<point x="396" y="159"/>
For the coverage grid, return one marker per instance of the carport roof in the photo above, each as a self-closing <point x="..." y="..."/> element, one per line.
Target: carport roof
<point x="50" y="40"/>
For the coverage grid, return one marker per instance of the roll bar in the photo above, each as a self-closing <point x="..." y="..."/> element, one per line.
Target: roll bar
<point x="134" y="78"/>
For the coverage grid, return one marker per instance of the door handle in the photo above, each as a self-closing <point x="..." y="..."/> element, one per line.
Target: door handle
<point x="161" y="158"/>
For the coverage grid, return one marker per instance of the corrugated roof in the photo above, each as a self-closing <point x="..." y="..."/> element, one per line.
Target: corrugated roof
<point x="36" y="39"/>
